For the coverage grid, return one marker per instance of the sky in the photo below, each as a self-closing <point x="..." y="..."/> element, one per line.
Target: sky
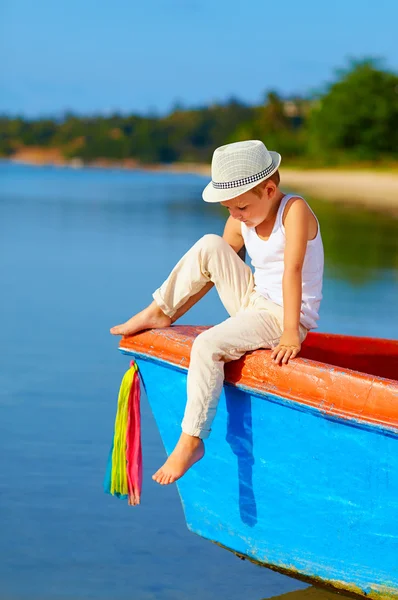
<point x="146" y="56"/>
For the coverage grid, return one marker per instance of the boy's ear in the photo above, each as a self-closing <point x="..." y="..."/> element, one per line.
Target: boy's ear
<point x="270" y="188"/>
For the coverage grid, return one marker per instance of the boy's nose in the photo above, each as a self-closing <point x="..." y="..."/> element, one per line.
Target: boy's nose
<point x="235" y="213"/>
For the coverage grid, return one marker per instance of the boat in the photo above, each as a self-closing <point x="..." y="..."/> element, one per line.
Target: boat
<point x="311" y="593"/>
<point x="301" y="469"/>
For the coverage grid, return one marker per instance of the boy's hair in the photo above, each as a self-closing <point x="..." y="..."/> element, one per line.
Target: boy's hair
<point x="258" y="189"/>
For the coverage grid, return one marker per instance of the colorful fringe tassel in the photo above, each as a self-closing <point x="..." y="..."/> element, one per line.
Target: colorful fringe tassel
<point x="124" y="470"/>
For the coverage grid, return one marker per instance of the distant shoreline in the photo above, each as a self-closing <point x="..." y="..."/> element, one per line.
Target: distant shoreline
<point x="377" y="190"/>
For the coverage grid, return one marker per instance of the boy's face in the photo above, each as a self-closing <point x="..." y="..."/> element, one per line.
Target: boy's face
<point x="250" y="208"/>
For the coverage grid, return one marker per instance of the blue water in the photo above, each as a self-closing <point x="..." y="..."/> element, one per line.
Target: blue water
<point x="81" y="250"/>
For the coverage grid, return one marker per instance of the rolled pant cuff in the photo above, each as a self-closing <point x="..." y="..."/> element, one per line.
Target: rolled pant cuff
<point x="196" y="431"/>
<point x="163" y="307"/>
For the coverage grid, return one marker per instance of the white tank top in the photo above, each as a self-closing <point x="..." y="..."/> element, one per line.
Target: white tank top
<point x="267" y="258"/>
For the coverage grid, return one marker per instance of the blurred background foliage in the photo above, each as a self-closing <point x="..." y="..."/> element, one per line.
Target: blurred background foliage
<point x="354" y="119"/>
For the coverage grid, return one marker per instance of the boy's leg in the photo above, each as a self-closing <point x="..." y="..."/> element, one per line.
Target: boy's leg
<point x="151" y="317"/>
<point x="249" y="330"/>
<point x="211" y="261"/>
<point x="231" y="339"/>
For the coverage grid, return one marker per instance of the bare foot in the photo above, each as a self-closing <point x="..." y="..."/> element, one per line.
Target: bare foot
<point x="188" y="451"/>
<point x="149" y="318"/>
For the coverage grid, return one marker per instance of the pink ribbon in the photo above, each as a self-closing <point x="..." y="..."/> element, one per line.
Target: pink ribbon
<point x="133" y="443"/>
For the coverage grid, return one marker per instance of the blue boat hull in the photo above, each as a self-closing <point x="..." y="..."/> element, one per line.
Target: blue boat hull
<point x="287" y="486"/>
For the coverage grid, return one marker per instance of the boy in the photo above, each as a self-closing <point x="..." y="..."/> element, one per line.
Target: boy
<point x="272" y="308"/>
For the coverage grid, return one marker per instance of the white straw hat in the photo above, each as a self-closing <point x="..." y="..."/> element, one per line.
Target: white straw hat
<point x="237" y="168"/>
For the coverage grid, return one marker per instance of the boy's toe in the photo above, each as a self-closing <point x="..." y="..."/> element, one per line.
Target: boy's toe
<point x="158" y="476"/>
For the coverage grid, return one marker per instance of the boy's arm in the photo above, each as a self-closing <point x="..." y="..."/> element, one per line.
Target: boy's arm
<point x="232" y="234"/>
<point x="297" y="220"/>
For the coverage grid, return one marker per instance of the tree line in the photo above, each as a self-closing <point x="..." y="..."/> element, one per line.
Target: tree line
<point x="355" y="118"/>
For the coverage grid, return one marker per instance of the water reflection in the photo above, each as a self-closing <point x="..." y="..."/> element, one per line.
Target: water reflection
<point x="359" y="244"/>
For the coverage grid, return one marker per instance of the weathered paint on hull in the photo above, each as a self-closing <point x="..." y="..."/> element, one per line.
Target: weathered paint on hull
<point x="287" y="484"/>
<point x="310" y="593"/>
<point x="313" y="593"/>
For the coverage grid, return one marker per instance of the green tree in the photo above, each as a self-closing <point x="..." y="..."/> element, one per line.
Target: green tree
<point x="358" y="114"/>
<point x="278" y="123"/>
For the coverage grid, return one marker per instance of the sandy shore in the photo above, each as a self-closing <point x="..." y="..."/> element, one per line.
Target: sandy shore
<point x="377" y="190"/>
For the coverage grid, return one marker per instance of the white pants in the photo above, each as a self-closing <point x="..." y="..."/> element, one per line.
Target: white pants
<point x="254" y="322"/>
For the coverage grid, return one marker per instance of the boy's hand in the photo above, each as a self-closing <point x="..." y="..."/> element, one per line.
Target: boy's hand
<point x="289" y="346"/>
